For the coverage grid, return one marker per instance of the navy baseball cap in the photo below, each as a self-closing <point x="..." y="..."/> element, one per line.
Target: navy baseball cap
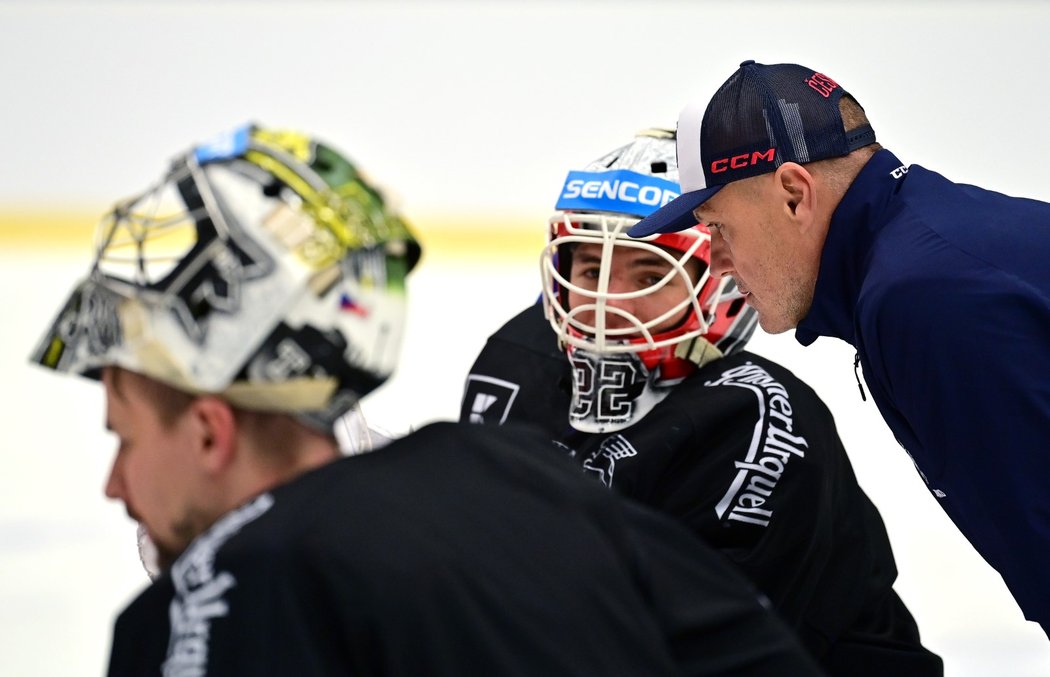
<point x="760" y="118"/>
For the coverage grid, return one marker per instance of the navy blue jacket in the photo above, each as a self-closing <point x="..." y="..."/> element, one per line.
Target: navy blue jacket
<point x="944" y="290"/>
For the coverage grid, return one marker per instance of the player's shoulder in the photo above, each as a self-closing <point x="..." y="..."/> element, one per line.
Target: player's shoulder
<point x="743" y="369"/>
<point x="745" y="384"/>
<point x="278" y="531"/>
<point x="520" y="374"/>
<point x="239" y="541"/>
<point x="323" y="515"/>
<point x="513" y="440"/>
<point x="452" y="436"/>
<point x="507" y="458"/>
<point x="439" y="452"/>
<point x="529" y="329"/>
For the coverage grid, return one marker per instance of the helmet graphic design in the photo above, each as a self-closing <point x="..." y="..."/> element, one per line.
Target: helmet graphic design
<point x="626" y="360"/>
<point x="262" y="267"/>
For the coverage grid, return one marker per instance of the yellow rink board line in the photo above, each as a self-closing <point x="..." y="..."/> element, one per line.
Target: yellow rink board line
<point x="496" y="237"/>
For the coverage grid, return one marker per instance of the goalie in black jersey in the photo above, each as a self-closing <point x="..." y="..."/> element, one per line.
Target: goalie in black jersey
<point x="234" y="312"/>
<point x="634" y="365"/>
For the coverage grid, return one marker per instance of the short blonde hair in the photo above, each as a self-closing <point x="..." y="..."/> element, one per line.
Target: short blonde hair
<point x="853" y="115"/>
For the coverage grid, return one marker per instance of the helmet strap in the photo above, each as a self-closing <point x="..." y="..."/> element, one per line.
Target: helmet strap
<point x="697" y="350"/>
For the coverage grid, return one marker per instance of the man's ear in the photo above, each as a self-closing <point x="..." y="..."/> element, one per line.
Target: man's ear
<point x="795" y="186"/>
<point x="214" y="432"/>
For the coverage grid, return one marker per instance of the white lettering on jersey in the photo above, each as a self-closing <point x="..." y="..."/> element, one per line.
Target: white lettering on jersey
<point x="199" y="591"/>
<point x="483" y="392"/>
<point x="481" y="404"/>
<point x="603" y="461"/>
<point x="772" y="446"/>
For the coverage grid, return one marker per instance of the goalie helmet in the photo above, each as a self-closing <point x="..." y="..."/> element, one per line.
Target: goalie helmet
<point x="263" y="267"/>
<point x="625" y="362"/>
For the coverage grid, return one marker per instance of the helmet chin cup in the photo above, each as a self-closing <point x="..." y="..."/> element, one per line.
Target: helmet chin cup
<point x="613" y="391"/>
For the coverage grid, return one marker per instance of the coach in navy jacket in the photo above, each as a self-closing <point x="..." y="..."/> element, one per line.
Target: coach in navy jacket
<point x="942" y="288"/>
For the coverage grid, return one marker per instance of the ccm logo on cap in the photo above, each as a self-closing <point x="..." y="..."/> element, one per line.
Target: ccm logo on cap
<point x="741" y="161"/>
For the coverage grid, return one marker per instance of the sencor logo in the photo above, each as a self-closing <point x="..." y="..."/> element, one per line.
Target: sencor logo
<point x="743" y="160"/>
<point x="625" y="191"/>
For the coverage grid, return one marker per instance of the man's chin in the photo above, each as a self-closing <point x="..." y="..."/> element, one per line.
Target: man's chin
<point x="772" y="324"/>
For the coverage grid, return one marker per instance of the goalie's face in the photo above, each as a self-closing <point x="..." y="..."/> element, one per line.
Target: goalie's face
<point x="154" y="472"/>
<point x="642" y="289"/>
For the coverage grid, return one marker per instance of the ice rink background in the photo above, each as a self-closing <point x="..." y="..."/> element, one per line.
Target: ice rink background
<point x="472" y="113"/>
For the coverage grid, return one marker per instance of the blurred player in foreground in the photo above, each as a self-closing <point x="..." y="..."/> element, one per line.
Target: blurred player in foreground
<point x="234" y="311"/>
<point x="652" y="394"/>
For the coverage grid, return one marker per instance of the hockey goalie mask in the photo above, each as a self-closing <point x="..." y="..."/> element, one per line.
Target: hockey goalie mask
<point x="263" y="267"/>
<point x="635" y="316"/>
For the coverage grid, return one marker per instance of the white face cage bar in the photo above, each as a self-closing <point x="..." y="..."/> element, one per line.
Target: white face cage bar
<point x="609" y="231"/>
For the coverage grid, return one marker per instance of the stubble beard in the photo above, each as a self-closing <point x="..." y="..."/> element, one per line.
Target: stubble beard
<point x="157" y="558"/>
<point x="790" y="311"/>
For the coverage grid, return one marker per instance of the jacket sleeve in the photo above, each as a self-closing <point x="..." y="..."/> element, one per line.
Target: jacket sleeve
<point x="965" y="368"/>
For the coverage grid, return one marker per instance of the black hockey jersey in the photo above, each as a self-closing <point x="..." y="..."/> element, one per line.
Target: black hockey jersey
<point x="458" y="550"/>
<point x="749" y="458"/>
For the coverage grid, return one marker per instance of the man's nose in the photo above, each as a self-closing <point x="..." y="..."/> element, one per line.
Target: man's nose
<point x="114" y="484"/>
<point x="721" y="263"/>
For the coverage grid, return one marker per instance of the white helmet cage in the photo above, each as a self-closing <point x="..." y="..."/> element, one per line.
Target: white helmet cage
<point x="263" y="267"/>
<point x="598" y="205"/>
<point x="634" y="334"/>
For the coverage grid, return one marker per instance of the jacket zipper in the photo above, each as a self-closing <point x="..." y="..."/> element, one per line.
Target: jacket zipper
<point x="856" y="373"/>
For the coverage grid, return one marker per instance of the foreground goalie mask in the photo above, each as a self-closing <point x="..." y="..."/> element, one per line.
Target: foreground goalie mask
<point x="635" y="316"/>
<point x="263" y="267"/>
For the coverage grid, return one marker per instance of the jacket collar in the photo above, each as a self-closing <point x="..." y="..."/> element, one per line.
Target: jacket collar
<point x="843" y="262"/>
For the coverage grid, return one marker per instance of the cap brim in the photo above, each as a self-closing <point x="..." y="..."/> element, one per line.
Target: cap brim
<point x="675" y="215"/>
